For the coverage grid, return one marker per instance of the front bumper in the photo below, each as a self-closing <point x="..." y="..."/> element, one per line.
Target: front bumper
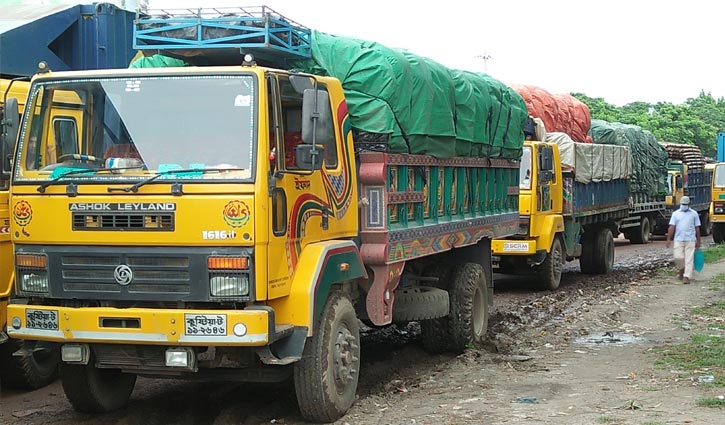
<point x="249" y="327"/>
<point x="513" y="247"/>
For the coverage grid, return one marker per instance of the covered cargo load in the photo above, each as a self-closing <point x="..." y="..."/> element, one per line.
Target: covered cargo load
<point x="422" y="106"/>
<point x="560" y="112"/>
<point x="690" y="155"/>
<point x="649" y="159"/>
<point x="592" y="162"/>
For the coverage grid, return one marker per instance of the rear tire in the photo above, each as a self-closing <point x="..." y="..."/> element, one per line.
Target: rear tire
<point x="641" y="235"/>
<point x="549" y="271"/>
<point x="468" y="319"/>
<point x="586" y="260"/>
<point x="705" y="225"/>
<point x="93" y="390"/>
<point x="603" y="257"/>
<point x="327" y="375"/>
<point x="28" y="372"/>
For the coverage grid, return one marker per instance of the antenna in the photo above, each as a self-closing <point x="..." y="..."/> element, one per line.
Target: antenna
<point x="485" y="57"/>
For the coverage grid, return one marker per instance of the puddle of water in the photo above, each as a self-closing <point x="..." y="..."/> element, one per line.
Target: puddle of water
<point x="608" y="338"/>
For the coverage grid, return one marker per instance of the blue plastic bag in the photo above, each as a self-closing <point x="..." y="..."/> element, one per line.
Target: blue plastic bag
<point x="699" y="259"/>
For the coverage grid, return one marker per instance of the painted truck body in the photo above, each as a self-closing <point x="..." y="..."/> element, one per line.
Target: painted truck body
<point x="175" y="237"/>
<point x="561" y="219"/>
<point x="696" y="183"/>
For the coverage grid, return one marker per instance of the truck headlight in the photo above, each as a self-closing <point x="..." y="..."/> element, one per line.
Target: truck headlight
<point x="229" y="285"/>
<point x="32" y="272"/>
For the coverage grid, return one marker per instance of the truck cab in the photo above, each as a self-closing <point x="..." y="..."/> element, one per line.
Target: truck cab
<point x="718" y="203"/>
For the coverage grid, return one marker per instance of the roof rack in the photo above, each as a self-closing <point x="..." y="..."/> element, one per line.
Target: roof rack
<point x="222" y="36"/>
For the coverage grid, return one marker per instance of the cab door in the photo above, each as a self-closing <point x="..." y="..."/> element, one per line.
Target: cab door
<point x="300" y="210"/>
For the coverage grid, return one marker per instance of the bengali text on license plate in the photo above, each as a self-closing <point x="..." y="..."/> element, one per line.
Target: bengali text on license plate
<point x="205" y="324"/>
<point x="41" y="319"/>
<point x="516" y="246"/>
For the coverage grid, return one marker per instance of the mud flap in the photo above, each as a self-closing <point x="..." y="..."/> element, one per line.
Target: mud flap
<point x="286" y="350"/>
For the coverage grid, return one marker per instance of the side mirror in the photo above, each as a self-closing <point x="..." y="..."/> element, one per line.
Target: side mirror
<point x="9" y="125"/>
<point x="316" y="118"/>
<point x="309" y="157"/>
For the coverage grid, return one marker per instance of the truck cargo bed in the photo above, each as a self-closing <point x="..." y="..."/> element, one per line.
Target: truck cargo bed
<point x="417" y="205"/>
<point x="596" y="198"/>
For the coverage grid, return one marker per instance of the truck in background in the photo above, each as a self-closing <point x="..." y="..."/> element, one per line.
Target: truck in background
<point x="717" y="208"/>
<point x="243" y="234"/>
<point x="696" y="183"/>
<point x="566" y="212"/>
<point x="647" y="185"/>
<point x="36" y="366"/>
<point x="65" y="37"/>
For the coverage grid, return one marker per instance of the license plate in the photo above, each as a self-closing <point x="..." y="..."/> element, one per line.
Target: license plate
<point x="516" y="246"/>
<point x="41" y="319"/>
<point x="205" y="324"/>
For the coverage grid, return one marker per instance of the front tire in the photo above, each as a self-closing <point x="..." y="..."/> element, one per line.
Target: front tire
<point x="718" y="233"/>
<point x="327" y="375"/>
<point x="550" y="270"/>
<point x="93" y="390"/>
<point x="28" y="372"/>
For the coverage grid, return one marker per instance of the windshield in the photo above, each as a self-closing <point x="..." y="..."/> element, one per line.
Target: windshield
<point x="132" y="128"/>
<point x="525" y="169"/>
<point x="719" y="175"/>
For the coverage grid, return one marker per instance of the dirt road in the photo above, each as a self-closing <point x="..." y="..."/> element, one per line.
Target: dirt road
<point x="584" y="354"/>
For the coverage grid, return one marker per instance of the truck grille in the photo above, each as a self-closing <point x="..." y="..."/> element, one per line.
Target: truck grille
<point x="150" y="274"/>
<point x="128" y="221"/>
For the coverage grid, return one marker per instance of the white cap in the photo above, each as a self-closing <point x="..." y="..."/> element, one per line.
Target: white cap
<point x="685" y="200"/>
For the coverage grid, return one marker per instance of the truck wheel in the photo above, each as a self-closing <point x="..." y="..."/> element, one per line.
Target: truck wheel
<point x="93" y="390"/>
<point x="326" y="377"/>
<point x="419" y="303"/>
<point x="641" y="235"/>
<point x="718" y="233"/>
<point x="705" y="225"/>
<point x="468" y="319"/>
<point x="603" y="256"/>
<point x="28" y="372"/>
<point x="586" y="261"/>
<point x="550" y="270"/>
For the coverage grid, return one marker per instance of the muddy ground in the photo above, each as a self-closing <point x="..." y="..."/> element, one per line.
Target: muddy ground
<point x="584" y="354"/>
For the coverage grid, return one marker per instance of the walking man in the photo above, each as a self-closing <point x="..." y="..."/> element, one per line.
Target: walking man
<point x="685" y="231"/>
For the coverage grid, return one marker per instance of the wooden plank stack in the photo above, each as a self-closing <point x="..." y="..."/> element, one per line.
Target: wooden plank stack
<point x="688" y="154"/>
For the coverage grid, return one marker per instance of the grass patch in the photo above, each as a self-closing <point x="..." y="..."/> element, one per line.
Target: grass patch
<point x="715" y="310"/>
<point x="717" y="282"/>
<point x="711" y="402"/>
<point x="714" y="253"/>
<point x="607" y="420"/>
<point x="703" y="352"/>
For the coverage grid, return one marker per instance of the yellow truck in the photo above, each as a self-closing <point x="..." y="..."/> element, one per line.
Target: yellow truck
<point x="19" y="367"/>
<point x="229" y="223"/>
<point x="567" y="210"/>
<point x="717" y="207"/>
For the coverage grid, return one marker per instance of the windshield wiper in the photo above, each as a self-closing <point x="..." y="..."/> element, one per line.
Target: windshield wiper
<point x="134" y="187"/>
<point x="42" y="186"/>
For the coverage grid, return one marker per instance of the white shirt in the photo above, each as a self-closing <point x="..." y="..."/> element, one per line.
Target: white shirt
<point x="685" y="223"/>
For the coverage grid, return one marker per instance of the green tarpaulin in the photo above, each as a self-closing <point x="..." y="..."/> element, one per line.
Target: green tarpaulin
<point x="157" y="61"/>
<point x="424" y="107"/>
<point x="649" y="158"/>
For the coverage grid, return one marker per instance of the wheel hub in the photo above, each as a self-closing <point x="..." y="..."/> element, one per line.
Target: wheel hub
<point x="345" y="359"/>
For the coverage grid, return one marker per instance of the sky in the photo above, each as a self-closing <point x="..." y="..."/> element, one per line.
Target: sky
<point x="622" y="51"/>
